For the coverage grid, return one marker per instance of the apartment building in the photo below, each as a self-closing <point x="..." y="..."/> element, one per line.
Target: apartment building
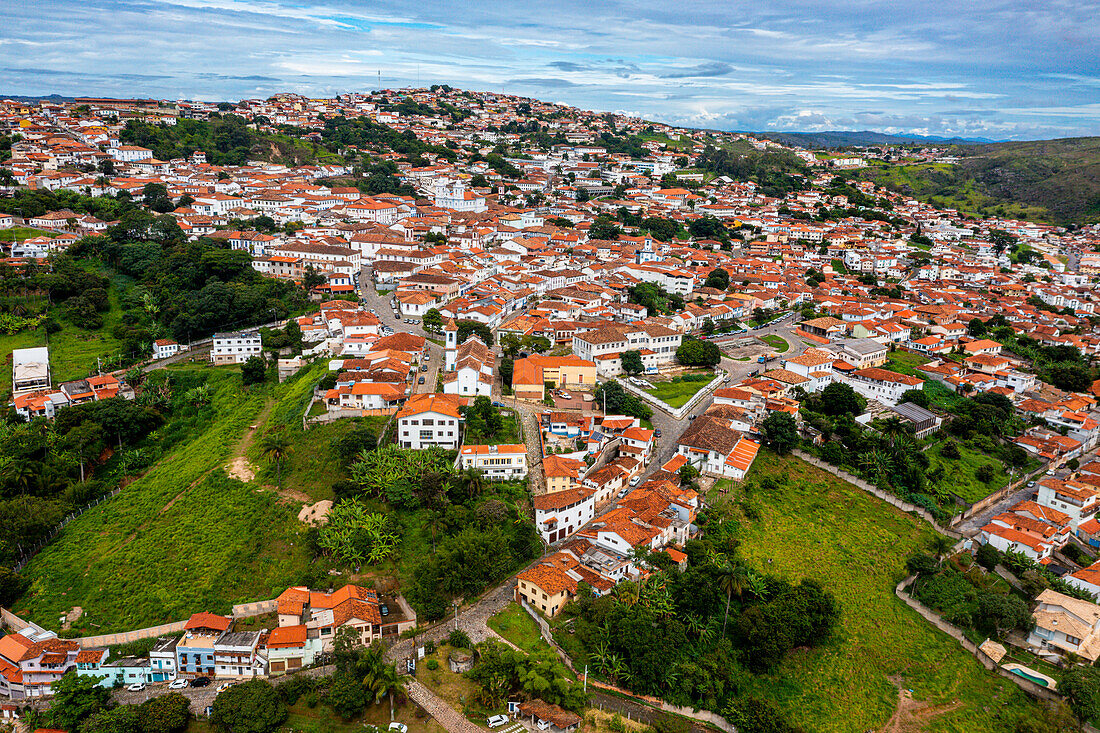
<point x="604" y="346"/>
<point x="235" y="347"/>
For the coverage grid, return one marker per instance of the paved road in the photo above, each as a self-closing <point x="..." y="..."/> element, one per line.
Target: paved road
<point x="438" y="708"/>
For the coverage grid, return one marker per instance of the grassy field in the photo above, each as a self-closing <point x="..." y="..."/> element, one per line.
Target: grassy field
<point x="814" y="525"/>
<point x="959" y="472"/>
<point x="778" y="342"/>
<point x="20" y="233"/>
<point x="676" y="394"/>
<point x="838" y="267"/>
<point x="182" y="538"/>
<point x="517" y="626"/>
<point x="906" y="362"/>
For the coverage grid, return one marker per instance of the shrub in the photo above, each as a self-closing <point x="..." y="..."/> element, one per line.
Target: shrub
<point x="460" y="639"/>
<point x="988" y="556"/>
<point x="433" y="664"/>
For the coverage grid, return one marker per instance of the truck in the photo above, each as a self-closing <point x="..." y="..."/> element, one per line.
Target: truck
<point x="765" y="358"/>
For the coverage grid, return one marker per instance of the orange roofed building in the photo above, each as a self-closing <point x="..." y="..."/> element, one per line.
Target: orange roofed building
<point x="321" y="614"/>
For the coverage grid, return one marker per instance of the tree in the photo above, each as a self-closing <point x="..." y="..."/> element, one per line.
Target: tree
<point x="250" y="707"/>
<point x="985" y="473"/>
<point x="164" y="713"/>
<point x="916" y="396"/>
<point x="254" y="370"/>
<point x="840" y="399"/>
<point x="780" y="432"/>
<point x="312" y="278"/>
<point x="603" y="228"/>
<point x="277" y="446"/>
<point x="976" y="328"/>
<point x="632" y="362"/>
<point x="1070" y="377"/>
<point x="1001" y="612"/>
<point x="123" y="719"/>
<point x="433" y="320"/>
<point x="950" y="450"/>
<point x="618" y="401"/>
<point x="483" y="332"/>
<point x="988" y="556"/>
<point x="75" y="698"/>
<point x="718" y="279"/>
<point x="1081" y="686"/>
<point x="695" y="352"/>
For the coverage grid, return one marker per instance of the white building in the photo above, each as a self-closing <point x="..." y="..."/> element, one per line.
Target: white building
<point x="560" y="514"/>
<point x="235" y="348"/>
<point x="430" y="419"/>
<point x="504" y="462"/>
<point x="164" y="348"/>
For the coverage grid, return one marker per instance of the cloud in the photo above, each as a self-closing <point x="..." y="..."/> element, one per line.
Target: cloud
<point x="713" y="68"/>
<point x="935" y="69"/>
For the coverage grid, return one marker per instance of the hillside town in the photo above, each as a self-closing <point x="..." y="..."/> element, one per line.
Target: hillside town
<point x="602" y="310"/>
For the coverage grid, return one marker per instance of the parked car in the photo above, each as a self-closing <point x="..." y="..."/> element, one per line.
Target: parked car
<point x="136" y="687"/>
<point x="177" y="684"/>
<point x="423" y="367"/>
<point x="225" y="686"/>
<point x="498" y="404"/>
<point x="399" y="727"/>
<point x="384" y="610"/>
<point x="657" y="433"/>
<point x="495" y="721"/>
<point x="691" y="417"/>
<point x="636" y="480"/>
<point x="420" y="381"/>
<point x="200" y="682"/>
<point x="565" y="395"/>
<point x="727" y="380"/>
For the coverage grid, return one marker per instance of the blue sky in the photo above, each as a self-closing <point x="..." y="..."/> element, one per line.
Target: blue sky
<point x="1001" y="70"/>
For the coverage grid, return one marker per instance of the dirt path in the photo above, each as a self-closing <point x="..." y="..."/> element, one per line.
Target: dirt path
<point x="912" y="716"/>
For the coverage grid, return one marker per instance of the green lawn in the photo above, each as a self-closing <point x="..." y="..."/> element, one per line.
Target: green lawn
<point x="517" y="626"/>
<point x="508" y="435"/>
<point x="778" y="342"/>
<point x="906" y="362"/>
<point x="838" y="267"/>
<point x="182" y="538"/>
<point x="20" y="233"/>
<point x="959" y="473"/>
<point x="812" y="525"/>
<point x="676" y="394"/>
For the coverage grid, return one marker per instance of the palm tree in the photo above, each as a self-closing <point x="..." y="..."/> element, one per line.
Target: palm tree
<point x="941" y="545"/>
<point x="472" y="481"/>
<point x="390" y="684"/>
<point x="731" y="579"/>
<point x="277" y="447"/>
<point x="20" y="473"/>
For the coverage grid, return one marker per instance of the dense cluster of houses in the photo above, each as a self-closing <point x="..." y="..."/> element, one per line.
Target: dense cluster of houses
<point x="308" y="621"/>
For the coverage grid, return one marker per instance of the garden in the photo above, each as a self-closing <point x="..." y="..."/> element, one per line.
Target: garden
<point x="677" y="391"/>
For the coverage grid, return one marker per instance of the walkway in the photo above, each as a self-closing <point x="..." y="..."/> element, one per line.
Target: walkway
<point x="436" y="707"/>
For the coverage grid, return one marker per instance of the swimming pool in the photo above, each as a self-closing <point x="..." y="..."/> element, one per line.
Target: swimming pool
<point x="1037" y="680"/>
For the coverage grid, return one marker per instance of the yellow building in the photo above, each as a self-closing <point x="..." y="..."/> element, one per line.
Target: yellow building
<point x="562" y="473"/>
<point x="531" y="375"/>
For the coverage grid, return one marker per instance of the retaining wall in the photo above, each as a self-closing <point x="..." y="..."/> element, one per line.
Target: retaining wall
<point x="676" y="412"/>
<point x="936" y="620"/>
<point x="875" y="491"/>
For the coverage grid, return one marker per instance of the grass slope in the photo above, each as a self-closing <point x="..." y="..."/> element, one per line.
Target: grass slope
<point x="180" y="539"/>
<point x="517" y="626"/>
<point x="958" y="473"/>
<point x="1052" y="180"/>
<point x="814" y="525"/>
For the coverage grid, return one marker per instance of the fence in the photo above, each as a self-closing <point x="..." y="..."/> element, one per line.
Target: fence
<point x="676" y="412"/>
<point x="25" y="556"/>
<point x="936" y="620"/>
<point x="875" y="491"/>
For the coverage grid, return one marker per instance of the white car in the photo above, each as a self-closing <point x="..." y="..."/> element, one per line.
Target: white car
<point x="399" y="727"/>
<point x="495" y="721"/>
<point x="565" y="395"/>
<point x="636" y="480"/>
<point x="225" y="686"/>
<point x="136" y="687"/>
<point x="177" y="684"/>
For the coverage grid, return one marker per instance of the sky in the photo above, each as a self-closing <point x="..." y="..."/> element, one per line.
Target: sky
<point x="991" y="69"/>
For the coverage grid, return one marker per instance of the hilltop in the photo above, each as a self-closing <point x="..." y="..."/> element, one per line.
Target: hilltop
<point x="1049" y="180"/>
<point x="850" y="138"/>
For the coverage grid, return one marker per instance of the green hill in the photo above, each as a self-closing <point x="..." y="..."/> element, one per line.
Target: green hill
<point x="1047" y="180"/>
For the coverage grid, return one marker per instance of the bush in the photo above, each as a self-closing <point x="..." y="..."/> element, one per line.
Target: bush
<point x="460" y="639"/>
<point x="988" y="556"/>
<point x="950" y="450"/>
<point x="433" y="664"/>
<point x="921" y="564"/>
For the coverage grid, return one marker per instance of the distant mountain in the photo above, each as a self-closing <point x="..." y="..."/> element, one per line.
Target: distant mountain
<point x="1052" y="180"/>
<point x="848" y="138"/>
<point x="47" y="98"/>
